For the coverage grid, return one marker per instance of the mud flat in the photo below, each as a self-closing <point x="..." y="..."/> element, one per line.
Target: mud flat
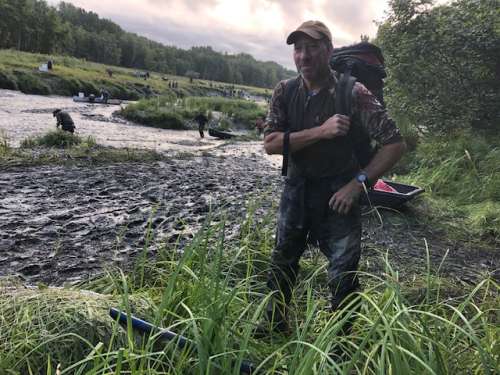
<point x="66" y="223"/>
<point x="61" y="224"/>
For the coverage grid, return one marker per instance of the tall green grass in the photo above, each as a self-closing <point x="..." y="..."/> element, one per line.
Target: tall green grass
<point x="5" y="148"/>
<point x="214" y="293"/>
<point x="462" y="171"/>
<point x="55" y="138"/>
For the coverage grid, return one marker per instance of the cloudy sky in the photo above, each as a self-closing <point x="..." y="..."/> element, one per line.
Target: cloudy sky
<point x="258" y="27"/>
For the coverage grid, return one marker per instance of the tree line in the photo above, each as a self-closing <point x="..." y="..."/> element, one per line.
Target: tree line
<point x="34" y="26"/>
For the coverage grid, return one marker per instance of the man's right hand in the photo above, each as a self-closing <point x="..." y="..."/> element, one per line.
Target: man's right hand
<point x="335" y="126"/>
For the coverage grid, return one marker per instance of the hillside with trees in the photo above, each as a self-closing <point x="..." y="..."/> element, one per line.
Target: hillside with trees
<point x="34" y="26"/>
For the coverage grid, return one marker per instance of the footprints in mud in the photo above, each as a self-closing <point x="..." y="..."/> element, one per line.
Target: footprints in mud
<point x="65" y="223"/>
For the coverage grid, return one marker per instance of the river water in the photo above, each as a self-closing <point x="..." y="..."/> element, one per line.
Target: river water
<point x="23" y="116"/>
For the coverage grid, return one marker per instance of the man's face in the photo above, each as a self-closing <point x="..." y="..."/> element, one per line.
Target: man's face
<point x="311" y="57"/>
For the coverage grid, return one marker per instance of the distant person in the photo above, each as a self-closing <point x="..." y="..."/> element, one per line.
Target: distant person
<point x="202" y="120"/>
<point x="259" y="124"/>
<point x="104" y="96"/>
<point x="110" y="72"/>
<point x="64" y="120"/>
<point x="49" y="64"/>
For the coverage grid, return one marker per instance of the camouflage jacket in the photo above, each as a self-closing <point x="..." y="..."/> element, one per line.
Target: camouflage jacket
<point x="327" y="158"/>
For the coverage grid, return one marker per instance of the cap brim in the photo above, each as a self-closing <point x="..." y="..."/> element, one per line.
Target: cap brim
<point x="310" y="33"/>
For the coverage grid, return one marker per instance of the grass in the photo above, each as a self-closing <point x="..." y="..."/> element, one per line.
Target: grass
<point x="214" y="293"/>
<point x="60" y="147"/>
<point x="19" y="71"/>
<point x="168" y="112"/>
<point x="56" y="138"/>
<point x="461" y="175"/>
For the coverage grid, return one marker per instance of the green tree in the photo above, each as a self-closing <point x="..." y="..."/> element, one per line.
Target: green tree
<point x="443" y="63"/>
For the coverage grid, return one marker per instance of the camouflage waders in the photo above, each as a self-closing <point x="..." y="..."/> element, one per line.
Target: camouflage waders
<point x="304" y="216"/>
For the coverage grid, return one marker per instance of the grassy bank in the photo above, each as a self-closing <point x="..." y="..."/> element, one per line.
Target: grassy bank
<point x="168" y="112"/>
<point x="461" y="175"/>
<point x="60" y="147"/>
<point x="214" y="293"/>
<point x="19" y="71"/>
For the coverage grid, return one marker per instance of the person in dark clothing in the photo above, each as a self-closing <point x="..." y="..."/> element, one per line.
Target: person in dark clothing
<point x="320" y="199"/>
<point x="259" y="124"/>
<point x="104" y="95"/>
<point x="49" y="65"/>
<point x="202" y="120"/>
<point x="64" y="120"/>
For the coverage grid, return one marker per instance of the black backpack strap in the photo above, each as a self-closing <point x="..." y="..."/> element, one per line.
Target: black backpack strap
<point x="290" y="87"/>
<point x="286" y="153"/>
<point x="343" y="93"/>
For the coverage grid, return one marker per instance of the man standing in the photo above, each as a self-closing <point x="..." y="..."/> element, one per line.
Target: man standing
<point x="64" y="120"/>
<point x="319" y="203"/>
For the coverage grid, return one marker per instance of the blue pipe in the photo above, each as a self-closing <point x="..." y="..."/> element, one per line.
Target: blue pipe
<point x="165" y="335"/>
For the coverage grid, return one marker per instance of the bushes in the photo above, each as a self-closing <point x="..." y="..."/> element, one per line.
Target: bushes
<point x="7" y="81"/>
<point x="170" y="113"/>
<point x="156" y="112"/>
<point x="30" y="83"/>
<point x="443" y="63"/>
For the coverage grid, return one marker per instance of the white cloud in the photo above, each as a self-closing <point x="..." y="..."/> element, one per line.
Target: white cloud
<point x="258" y="27"/>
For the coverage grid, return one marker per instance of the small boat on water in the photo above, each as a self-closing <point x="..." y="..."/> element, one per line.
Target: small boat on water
<point x="97" y="100"/>
<point x="220" y="134"/>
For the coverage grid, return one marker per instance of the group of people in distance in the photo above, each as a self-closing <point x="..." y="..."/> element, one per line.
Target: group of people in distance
<point x="324" y="179"/>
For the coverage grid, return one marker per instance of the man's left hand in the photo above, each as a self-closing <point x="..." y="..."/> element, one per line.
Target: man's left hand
<point x="344" y="198"/>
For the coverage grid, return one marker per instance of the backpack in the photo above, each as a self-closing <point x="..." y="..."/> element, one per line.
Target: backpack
<point x="365" y="62"/>
<point x="362" y="62"/>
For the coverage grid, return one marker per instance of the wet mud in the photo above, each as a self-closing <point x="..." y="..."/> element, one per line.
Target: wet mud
<point x="67" y="223"/>
<point x="64" y="224"/>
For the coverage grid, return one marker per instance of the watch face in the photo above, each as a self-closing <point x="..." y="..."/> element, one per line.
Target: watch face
<point x="361" y="177"/>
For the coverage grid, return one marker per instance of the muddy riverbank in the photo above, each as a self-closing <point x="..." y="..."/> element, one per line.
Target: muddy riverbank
<point x="67" y="223"/>
<point x="61" y="224"/>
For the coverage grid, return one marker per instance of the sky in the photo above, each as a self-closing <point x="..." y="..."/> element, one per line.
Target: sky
<point x="257" y="27"/>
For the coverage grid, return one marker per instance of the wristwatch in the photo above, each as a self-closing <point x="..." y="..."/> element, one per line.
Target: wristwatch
<point x="362" y="178"/>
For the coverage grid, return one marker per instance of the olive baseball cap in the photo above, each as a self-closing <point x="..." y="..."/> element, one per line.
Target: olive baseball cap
<point x="314" y="29"/>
